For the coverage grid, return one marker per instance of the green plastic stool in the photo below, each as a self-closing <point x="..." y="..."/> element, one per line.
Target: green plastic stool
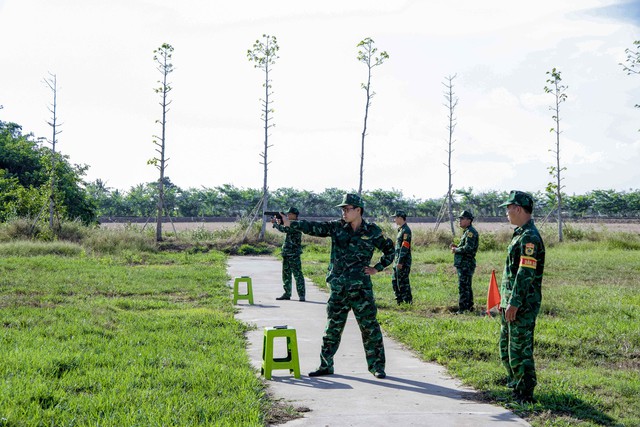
<point x="291" y="362"/>
<point x="237" y="295"/>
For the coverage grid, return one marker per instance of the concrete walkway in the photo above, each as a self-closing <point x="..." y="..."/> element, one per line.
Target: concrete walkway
<point x="415" y="393"/>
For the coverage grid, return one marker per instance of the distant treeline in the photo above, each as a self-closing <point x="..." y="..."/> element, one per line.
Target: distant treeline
<point x="230" y="201"/>
<point x="26" y="190"/>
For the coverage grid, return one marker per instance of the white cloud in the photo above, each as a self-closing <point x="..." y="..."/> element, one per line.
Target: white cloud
<point x="535" y="101"/>
<point x="102" y="55"/>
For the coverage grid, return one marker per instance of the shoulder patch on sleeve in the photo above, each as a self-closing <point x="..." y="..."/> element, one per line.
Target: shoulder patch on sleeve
<point x="529" y="248"/>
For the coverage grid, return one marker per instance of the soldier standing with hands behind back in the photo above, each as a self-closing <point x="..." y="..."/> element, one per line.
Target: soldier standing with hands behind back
<point x="402" y="261"/>
<point x="464" y="260"/>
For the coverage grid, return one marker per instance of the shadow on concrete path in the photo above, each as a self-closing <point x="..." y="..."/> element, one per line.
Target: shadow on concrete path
<point x="415" y="393"/>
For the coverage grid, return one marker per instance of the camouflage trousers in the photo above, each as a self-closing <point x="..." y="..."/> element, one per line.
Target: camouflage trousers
<point x="465" y="290"/>
<point x="363" y="304"/>
<point x="291" y="265"/>
<point x="400" y="283"/>
<point x="516" y="352"/>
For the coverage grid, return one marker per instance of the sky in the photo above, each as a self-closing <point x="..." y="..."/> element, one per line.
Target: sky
<point x="101" y="52"/>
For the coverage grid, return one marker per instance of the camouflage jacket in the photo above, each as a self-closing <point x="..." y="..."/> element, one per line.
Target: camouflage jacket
<point x="351" y="251"/>
<point x="403" y="245"/>
<point x="465" y="253"/>
<point x="292" y="245"/>
<point x="522" y="278"/>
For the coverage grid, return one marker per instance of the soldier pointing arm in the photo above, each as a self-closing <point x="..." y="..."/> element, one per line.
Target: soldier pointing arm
<point x="353" y="242"/>
<point x="291" y="251"/>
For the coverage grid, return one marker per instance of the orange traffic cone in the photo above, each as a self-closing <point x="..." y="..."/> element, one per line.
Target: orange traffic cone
<point x="493" y="297"/>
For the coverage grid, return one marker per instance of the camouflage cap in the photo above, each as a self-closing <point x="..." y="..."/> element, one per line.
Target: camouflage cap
<point x="465" y="214"/>
<point x="519" y="198"/>
<point x="293" y="210"/>
<point x="400" y="213"/>
<point x="351" y="199"/>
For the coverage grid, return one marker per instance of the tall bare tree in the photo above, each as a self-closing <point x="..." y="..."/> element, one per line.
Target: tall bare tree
<point x="52" y="83"/>
<point x="451" y="103"/>
<point x="264" y="54"/>
<point x="558" y="91"/>
<point x="367" y="55"/>
<point x="633" y="61"/>
<point x="162" y="57"/>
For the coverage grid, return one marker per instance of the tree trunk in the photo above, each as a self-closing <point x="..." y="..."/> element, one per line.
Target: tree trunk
<point x="364" y="129"/>
<point x="559" y="171"/>
<point x="162" y="156"/>
<point x="265" y="194"/>
<point x="452" y="105"/>
<point x="52" y="82"/>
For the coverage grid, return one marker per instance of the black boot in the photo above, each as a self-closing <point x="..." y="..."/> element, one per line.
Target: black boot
<point x="321" y="371"/>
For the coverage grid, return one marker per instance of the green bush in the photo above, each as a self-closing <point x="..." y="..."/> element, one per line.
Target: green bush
<point x="201" y="234"/>
<point x="19" y="228"/>
<point x="27" y="228"/>
<point x="73" y="231"/>
<point x="489" y="242"/>
<point x="573" y="233"/>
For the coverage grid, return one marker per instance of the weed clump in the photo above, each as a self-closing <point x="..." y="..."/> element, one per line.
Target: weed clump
<point x="19" y="228"/>
<point x="30" y="229"/>
<point x="260" y="248"/>
<point x="28" y="248"/>
<point x="115" y="241"/>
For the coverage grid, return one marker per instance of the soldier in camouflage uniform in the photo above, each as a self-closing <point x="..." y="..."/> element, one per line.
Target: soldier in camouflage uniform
<point x="353" y="241"/>
<point x="464" y="260"/>
<point x="291" y="250"/>
<point x="521" y="295"/>
<point x="402" y="260"/>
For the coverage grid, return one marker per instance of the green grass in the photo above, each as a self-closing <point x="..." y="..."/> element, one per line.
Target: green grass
<point x="134" y="339"/>
<point x="108" y="328"/>
<point x="587" y="345"/>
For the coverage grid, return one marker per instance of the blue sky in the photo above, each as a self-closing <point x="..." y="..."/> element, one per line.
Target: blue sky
<point x="102" y="54"/>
